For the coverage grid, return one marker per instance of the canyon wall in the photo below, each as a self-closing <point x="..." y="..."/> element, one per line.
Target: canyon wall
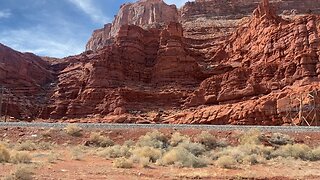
<point x="187" y="68"/>
<point x="144" y="13"/>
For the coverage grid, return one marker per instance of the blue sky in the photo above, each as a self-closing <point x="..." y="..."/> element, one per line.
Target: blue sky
<point x="55" y="28"/>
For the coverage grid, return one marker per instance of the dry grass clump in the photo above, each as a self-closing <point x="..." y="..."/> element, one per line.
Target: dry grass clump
<point x="144" y="162"/>
<point x="208" y="140"/>
<point x="253" y="136"/>
<point x="4" y="154"/>
<point x="26" y="146"/>
<point x="73" y="130"/>
<point x="151" y="153"/>
<point x="315" y="154"/>
<point x="21" y="157"/>
<point x="194" y="148"/>
<point x="245" y="154"/>
<point x="53" y="157"/>
<point x="178" y="138"/>
<point x="116" y="151"/>
<point x="122" y="163"/>
<point x="96" y="139"/>
<point x="181" y="157"/>
<point x="21" y="173"/>
<point x="77" y="153"/>
<point x="129" y="143"/>
<point x="45" y="145"/>
<point x="226" y="161"/>
<point x="154" y="139"/>
<point x="298" y="151"/>
<point x="279" y="139"/>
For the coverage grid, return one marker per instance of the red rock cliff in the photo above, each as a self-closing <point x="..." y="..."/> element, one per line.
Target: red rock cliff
<point x="253" y="74"/>
<point x="144" y="13"/>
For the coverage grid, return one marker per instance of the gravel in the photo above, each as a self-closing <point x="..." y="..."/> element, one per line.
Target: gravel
<point x="164" y="126"/>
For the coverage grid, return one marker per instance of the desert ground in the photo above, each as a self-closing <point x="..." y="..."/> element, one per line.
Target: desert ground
<point x="75" y="153"/>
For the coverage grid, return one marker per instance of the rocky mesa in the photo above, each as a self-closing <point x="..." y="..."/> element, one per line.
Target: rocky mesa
<point x="209" y="62"/>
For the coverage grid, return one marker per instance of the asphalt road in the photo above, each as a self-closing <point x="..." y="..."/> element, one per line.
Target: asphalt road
<point x="164" y="126"/>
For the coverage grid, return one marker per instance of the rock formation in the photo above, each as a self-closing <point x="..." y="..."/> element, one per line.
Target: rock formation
<point x="27" y="76"/>
<point x="148" y="67"/>
<point x="144" y="13"/>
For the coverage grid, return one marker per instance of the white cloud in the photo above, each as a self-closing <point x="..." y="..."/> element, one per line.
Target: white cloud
<point x="178" y="3"/>
<point x="39" y="41"/>
<point x="88" y="7"/>
<point x="5" y="13"/>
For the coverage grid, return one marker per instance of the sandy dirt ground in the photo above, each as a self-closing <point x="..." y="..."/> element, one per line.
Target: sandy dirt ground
<point x="91" y="166"/>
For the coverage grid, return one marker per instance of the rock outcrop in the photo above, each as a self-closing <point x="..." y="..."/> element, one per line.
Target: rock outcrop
<point x="27" y="76"/>
<point x="144" y="13"/>
<point x="134" y="71"/>
<point x="262" y="69"/>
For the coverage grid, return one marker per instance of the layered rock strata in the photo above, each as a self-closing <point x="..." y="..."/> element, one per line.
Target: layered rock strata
<point x="263" y="70"/>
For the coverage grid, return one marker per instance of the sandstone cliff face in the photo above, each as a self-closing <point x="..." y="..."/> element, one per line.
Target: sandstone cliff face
<point x="251" y="72"/>
<point x="272" y="59"/>
<point x="144" y="13"/>
<point x="132" y="74"/>
<point x="24" y="75"/>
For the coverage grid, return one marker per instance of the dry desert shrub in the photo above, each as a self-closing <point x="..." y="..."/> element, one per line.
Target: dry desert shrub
<point x="226" y="161"/>
<point x="4" y="154"/>
<point x="45" y="145"/>
<point x="122" y="163"/>
<point x="77" y="153"/>
<point x="278" y="139"/>
<point x="251" y="137"/>
<point x="194" y="148"/>
<point x="181" y="157"/>
<point x="298" y="151"/>
<point x="53" y="157"/>
<point x="97" y="140"/>
<point x="129" y="143"/>
<point x="151" y="153"/>
<point x="153" y="139"/>
<point x="21" y="173"/>
<point x="116" y="151"/>
<point x="26" y="146"/>
<point x="144" y="162"/>
<point x="208" y="140"/>
<point x="245" y="154"/>
<point x="315" y="154"/>
<point x="21" y="157"/>
<point x="73" y="130"/>
<point x="178" y="138"/>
